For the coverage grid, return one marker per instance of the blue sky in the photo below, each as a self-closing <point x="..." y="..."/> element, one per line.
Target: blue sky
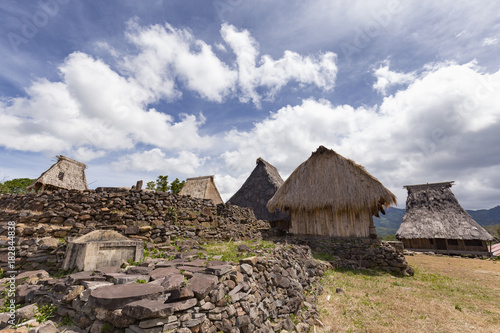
<point x="135" y="89"/>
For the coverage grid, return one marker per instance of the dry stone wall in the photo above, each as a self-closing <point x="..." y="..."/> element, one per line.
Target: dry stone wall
<point x="359" y="253"/>
<point x="272" y="290"/>
<point x="44" y="221"/>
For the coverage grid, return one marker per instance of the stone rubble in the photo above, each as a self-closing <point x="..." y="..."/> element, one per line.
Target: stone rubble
<point x="261" y="293"/>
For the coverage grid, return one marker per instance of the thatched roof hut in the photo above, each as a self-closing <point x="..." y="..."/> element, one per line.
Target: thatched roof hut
<point x="66" y="173"/>
<point x="202" y="188"/>
<point x="434" y="220"/>
<point x="259" y="187"/>
<point x="331" y="195"/>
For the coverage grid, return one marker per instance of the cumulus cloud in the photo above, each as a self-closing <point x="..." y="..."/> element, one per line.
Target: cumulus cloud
<point x="387" y="78"/>
<point x="441" y="127"/>
<point x="274" y="74"/>
<point x="98" y="107"/>
<point x="92" y="106"/>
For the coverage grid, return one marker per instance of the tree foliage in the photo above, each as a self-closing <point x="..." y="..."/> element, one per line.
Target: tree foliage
<point x="161" y="184"/>
<point x="17" y="185"/>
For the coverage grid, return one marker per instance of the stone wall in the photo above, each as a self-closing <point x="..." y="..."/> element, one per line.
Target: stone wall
<point x="272" y="290"/>
<point x="359" y="253"/>
<point x="44" y="221"/>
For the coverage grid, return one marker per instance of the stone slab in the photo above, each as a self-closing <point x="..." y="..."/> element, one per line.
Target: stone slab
<point x="117" y="296"/>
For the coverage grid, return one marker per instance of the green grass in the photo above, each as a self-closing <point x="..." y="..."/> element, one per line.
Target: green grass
<point x="229" y="250"/>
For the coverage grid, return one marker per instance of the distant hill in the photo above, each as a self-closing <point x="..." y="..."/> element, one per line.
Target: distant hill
<point x="389" y="223"/>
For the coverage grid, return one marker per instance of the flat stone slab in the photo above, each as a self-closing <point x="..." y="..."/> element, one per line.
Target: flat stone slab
<point x="92" y="285"/>
<point x="202" y="284"/>
<point x="170" y="263"/>
<point x="219" y="269"/>
<point x="121" y="278"/>
<point x="173" y="281"/>
<point x="196" y="263"/>
<point x="41" y="274"/>
<point x="163" y="272"/>
<point x="139" y="270"/>
<point x="117" y="296"/>
<point x="192" y="269"/>
<point x="183" y="305"/>
<point x="146" y="308"/>
<point x="78" y="278"/>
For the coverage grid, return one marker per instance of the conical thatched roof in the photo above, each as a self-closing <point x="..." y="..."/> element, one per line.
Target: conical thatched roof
<point x="259" y="187"/>
<point x="202" y="188"/>
<point x="328" y="180"/>
<point x="432" y="211"/>
<point x="66" y="173"/>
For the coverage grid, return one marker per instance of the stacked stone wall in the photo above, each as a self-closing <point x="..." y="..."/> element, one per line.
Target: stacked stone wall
<point x="45" y="221"/>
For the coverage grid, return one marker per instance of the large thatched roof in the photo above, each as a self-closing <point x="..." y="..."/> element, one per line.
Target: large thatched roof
<point x="328" y="180"/>
<point x="66" y="173"/>
<point x="432" y="211"/>
<point x="202" y="188"/>
<point x="259" y="187"/>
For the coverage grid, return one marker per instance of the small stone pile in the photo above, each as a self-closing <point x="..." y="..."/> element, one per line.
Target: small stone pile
<point x="273" y="290"/>
<point x="360" y="253"/>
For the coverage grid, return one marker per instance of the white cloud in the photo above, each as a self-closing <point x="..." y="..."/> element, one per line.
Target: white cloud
<point x="274" y="74"/>
<point x="387" y="78"/>
<point x="489" y="41"/>
<point x="441" y="127"/>
<point x="185" y="163"/>
<point x="92" y="105"/>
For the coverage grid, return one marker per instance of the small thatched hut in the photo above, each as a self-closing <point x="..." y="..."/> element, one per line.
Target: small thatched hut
<point x="202" y="188"/>
<point x="259" y="187"/>
<point x="66" y="173"/>
<point x="332" y="196"/>
<point x="435" y="221"/>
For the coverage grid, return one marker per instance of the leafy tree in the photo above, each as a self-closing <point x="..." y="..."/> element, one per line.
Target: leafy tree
<point x="176" y="186"/>
<point x="161" y="184"/>
<point x="17" y="185"/>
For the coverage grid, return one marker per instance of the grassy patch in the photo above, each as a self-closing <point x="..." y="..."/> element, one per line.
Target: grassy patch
<point x="229" y="250"/>
<point x="434" y="300"/>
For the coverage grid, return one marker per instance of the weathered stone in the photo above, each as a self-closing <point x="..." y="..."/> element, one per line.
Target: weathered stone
<point x="117" y="296"/>
<point x="219" y="269"/>
<point x="183" y="305"/>
<point x="181" y="293"/>
<point x="163" y="272"/>
<point x="247" y="269"/>
<point x="145" y="309"/>
<point x="148" y="323"/>
<point x="173" y="281"/>
<point x="78" y="278"/>
<point x="100" y="249"/>
<point x="202" y="284"/>
<point x="242" y="321"/>
<point x="31" y="275"/>
<point x="73" y="294"/>
<point x="121" y="278"/>
<point x="195" y="320"/>
<point x="46" y="327"/>
<point x="26" y="313"/>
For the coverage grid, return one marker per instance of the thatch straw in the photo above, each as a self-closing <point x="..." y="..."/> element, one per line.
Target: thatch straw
<point x="202" y="188"/>
<point x="66" y="173"/>
<point x="259" y="187"/>
<point x="328" y="180"/>
<point x="432" y="211"/>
